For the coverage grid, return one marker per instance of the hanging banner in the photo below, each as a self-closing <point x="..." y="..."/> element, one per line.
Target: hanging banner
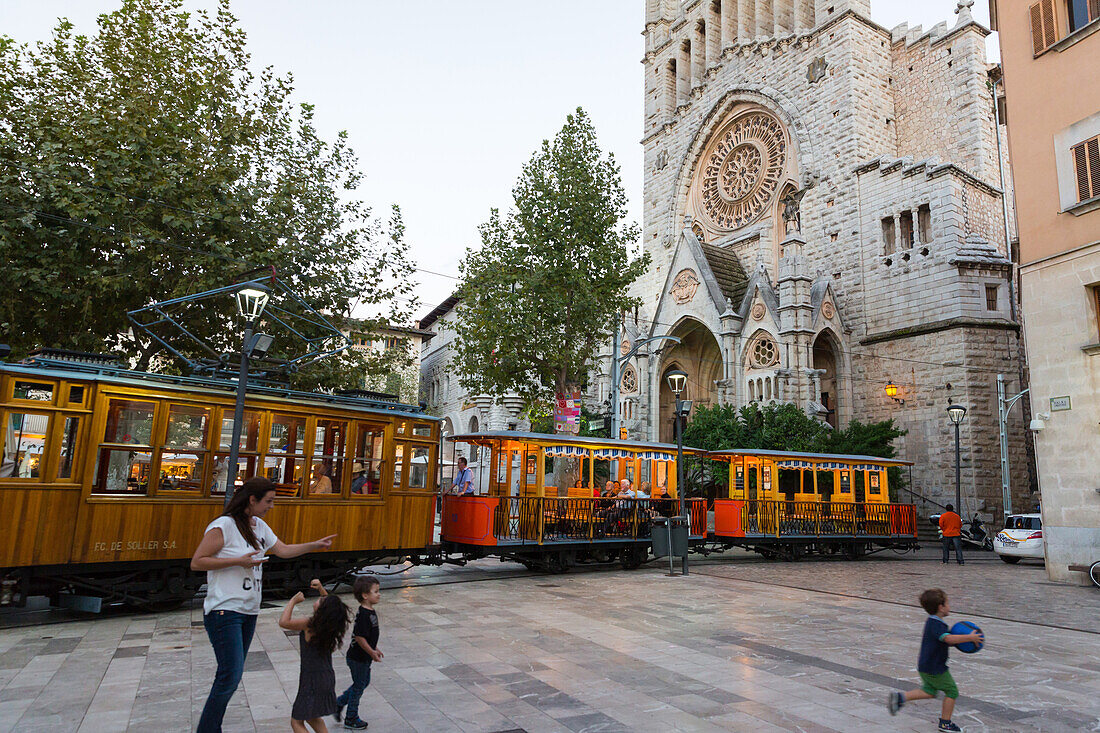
<point x="567" y="412"/>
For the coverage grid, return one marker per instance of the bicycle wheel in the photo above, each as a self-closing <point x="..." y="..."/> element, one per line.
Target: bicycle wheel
<point x="1094" y="573"/>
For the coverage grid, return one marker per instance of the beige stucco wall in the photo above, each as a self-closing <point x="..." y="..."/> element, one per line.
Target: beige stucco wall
<point x="1046" y="95"/>
<point x="1060" y="320"/>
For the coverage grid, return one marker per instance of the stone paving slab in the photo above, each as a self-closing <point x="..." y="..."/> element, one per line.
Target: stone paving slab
<point x="739" y="645"/>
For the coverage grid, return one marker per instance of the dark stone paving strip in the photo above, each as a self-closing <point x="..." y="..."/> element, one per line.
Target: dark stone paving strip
<point x="130" y="651"/>
<point x="257" y="661"/>
<point x="996" y="709"/>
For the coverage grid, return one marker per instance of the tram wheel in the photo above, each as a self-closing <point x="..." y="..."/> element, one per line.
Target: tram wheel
<point x="631" y="558"/>
<point x="855" y="550"/>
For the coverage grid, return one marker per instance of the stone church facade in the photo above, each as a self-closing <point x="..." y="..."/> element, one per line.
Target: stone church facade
<point x="824" y="208"/>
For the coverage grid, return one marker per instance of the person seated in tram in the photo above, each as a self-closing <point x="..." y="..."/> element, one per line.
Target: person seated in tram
<point x="359" y="478"/>
<point x="644" y="490"/>
<point x="322" y="484"/>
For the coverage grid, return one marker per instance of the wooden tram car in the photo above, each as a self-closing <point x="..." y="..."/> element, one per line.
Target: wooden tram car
<point x="109" y="478"/>
<point x="517" y="516"/>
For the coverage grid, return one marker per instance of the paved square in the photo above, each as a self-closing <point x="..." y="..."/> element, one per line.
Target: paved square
<point x="740" y="645"/>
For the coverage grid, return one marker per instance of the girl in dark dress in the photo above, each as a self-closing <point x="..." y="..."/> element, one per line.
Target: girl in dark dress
<point x="318" y="637"/>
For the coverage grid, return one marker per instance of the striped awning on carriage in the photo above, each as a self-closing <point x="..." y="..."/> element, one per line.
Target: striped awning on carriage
<point x="828" y="465"/>
<point x="656" y="455"/>
<point x="794" y="464"/>
<point x="568" y="451"/>
<point x="612" y="453"/>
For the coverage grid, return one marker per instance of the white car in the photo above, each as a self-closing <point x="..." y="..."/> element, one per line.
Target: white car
<point x="1021" y="537"/>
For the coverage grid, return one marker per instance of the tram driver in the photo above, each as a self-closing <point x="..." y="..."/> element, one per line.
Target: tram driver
<point x="463" y="483"/>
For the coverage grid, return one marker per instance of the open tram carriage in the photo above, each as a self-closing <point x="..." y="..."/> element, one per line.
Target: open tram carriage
<point x="784" y="504"/>
<point x="519" y="516"/>
<point x="109" y="478"/>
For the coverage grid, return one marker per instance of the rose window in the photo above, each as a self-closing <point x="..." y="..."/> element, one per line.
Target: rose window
<point x="740" y="171"/>
<point x="764" y="352"/>
<point x="629" y="382"/>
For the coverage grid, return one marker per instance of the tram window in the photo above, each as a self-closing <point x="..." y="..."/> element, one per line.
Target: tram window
<point x="33" y="391"/>
<point x="422" y="429"/>
<point x="68" y="447"/>
<point x="401" y="428"/>
<point x="398" y="464"/>
<point x="24" y="440"/>
<point x="181" y="471"/>
<point x="367" y="468"/>
<point x="250" y="431"/>
<point x="246" y="468"/>
<point x="419" y="465"/>
<point x="129" y="422"/>
<point x="285" y="460"/>
<point x="76" y="395"/>
<point x="327" y="469"/>
<point x="187" y="427"/>
<point x="122" y="471"/>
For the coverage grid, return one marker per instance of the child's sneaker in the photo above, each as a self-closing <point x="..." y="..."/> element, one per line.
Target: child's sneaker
<point x="339" y="714"/>
<point x="894" y="702"/>
<point x="949" y="726"/>
<point x="361" y="724"/>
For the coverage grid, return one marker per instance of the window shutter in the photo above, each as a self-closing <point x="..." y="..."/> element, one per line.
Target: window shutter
<point x="1043" y="30"/>
<point x="1080" y="166"/>
<point x="1094" y="10"/>
<point x="1086" y="164"/>
<point x="1037" y="28"/>
<point x="1092" y="150"/>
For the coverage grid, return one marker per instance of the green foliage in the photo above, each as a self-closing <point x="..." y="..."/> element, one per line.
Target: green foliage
<point x="551" y="275"/>
<point x="780" y="427"/>
<point x="147" y="162"/>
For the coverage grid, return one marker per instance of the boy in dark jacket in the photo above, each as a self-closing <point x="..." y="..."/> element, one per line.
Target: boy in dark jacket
<point x="932" y="664"/>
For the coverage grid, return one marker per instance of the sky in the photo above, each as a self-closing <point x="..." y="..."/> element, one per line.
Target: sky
<point x="445" y="100"/>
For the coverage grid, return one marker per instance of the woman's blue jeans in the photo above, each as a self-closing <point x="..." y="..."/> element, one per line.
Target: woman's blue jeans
<point x="230" y="634"/>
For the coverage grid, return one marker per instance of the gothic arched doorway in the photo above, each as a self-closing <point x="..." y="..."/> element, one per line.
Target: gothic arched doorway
<point x="825" y="359"/>
<point x="699" y="356"/>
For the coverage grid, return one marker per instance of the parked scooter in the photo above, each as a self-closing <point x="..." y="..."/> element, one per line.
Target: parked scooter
<point x="973" y="534"/>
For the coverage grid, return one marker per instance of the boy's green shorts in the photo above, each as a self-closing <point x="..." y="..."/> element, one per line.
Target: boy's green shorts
<point x="942" y="682"/>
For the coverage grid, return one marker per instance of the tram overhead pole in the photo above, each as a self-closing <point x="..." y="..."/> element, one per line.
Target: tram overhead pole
<point x="1004" y="405"/>
<point x="251" y="300"/>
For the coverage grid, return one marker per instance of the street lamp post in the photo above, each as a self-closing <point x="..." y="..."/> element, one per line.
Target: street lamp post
<point x="677" y="380"/>
<point x="956" y="413"/>
<point x="251" y="300"/>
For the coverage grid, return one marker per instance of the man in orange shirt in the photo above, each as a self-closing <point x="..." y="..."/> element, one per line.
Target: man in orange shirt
<point x="951" y="527"/>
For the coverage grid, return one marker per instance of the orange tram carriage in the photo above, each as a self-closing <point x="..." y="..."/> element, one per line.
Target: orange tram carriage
<point x="779" y="504"/>
<point x="109" y="478"/>
<point x="518" y="516"/>
<point x="784" y="504"/>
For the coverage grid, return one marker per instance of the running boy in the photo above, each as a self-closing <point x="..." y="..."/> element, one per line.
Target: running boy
<point x="932" y="664"/>
<point x="362" y="651"/>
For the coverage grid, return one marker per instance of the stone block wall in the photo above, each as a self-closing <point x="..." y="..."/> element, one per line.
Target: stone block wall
<point x="910" y="285"/>
<point x="943" y="101"/>
<point x="932" y="370"/>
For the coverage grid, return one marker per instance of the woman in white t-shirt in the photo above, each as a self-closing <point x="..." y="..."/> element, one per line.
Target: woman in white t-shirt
<point x="232" y="552"/>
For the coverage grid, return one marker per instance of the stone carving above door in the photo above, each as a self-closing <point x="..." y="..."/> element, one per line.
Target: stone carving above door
<point x="684" y="286"/>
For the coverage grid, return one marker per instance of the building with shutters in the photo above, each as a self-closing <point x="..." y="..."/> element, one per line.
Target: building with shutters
<point x="1050" y="51"/>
